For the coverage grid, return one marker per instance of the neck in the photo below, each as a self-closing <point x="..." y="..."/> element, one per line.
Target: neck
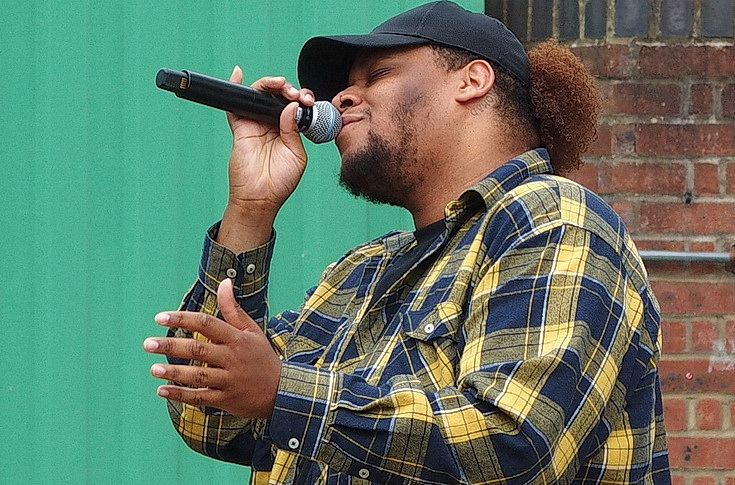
<point x="451" y="176"/>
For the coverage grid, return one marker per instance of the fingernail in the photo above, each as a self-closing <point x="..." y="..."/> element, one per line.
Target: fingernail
<point x="150" y="344"/>
<point x="162" y="318"/>
<point x="309" y="97"/>
<point x="158" y="370"/>
<point x="293" y="90"/>
<point x="163" y="392"/>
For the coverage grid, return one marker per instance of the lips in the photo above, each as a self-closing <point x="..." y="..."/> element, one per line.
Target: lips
<point x="349" y="119"/>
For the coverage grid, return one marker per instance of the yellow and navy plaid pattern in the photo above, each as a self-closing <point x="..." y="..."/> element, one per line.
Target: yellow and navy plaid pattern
<point x="521" y="348"/>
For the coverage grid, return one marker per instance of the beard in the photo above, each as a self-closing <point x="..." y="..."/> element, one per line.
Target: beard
<point x="385" y="172"/>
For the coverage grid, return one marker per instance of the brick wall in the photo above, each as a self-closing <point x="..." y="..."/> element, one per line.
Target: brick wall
<point x="665" y="160"/>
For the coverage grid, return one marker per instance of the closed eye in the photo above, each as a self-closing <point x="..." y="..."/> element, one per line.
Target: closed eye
<point x="377" y="74"/>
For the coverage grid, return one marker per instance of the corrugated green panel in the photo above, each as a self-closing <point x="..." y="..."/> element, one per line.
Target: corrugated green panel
<point x="107" y="187"/>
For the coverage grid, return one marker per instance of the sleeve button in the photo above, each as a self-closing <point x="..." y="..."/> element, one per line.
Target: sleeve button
<point x="231" y="273"/>
<point x="364" y="473"/>
<point x="293" y="443"/>
<point x="250" y="269"/>
<point x="429" y="328"/>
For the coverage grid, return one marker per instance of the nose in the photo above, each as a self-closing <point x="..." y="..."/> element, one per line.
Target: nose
<point x="345" y="99"/>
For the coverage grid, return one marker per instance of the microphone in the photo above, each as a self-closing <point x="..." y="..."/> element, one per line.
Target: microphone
<point x="319" y="123"/>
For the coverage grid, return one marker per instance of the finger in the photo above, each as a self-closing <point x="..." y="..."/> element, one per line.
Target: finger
<point x="191" y="376"/>
<point x="236" y="76"/>
<point x="231" y="310"/>
<point x="278" y="85"/>
<point x="211" y="327"/>
<point x="290" y="135"/>
<point x="186" y="348"/>
<point x="306" y="97"/>
<point x="194" y="397"/>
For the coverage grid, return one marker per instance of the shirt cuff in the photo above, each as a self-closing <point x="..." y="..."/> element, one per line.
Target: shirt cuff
<point x="302" y="404"/>
<point x="248" y="270"/>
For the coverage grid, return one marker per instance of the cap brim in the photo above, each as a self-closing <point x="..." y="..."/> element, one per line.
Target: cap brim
<point x="325" y="62"/>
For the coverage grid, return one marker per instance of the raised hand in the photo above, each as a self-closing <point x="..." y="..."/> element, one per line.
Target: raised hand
<point x="241" y="370"/>
<point x="265" y="167"/>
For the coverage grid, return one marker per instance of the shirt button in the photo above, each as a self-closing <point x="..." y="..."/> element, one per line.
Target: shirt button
<point x="231" y="273"/>
<point x="250" y="269"/>
<point x="429" y="328"/>
<point x="364" y="473"/>
<point x="293" y="443"/>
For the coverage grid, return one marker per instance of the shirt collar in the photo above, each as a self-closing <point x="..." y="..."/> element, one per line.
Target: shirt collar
<point x="490" y="190"/>
<point x="487" y="192"/>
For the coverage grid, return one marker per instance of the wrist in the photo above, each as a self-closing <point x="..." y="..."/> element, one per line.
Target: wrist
<point x="243" y="230"/>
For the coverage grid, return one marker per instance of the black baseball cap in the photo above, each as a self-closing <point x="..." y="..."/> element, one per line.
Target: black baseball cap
<point x="325" y="62"/>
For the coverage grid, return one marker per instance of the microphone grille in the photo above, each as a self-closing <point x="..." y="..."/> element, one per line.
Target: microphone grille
<point x="325" y="124"/>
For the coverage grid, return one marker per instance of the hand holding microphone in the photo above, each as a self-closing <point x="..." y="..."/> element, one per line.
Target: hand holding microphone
<point x="319" y="123"/>
<point x="268" y="158"/>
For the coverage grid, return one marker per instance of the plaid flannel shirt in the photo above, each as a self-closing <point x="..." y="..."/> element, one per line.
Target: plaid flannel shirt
<point x="522" y="347"/>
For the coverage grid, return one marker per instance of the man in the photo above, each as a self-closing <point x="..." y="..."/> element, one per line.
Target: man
<point x="513" y="337"/>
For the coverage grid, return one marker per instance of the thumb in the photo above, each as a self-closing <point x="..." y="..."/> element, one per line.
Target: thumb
<point x="231" y="311"/>
<point x="290" y="135"/>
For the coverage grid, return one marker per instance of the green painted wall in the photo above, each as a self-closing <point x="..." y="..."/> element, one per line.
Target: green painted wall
<point x="108" y="185"/>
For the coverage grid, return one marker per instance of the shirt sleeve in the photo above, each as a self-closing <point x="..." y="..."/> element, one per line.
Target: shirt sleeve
<point x="553" y="340"/>
<point x="211" y="431"/>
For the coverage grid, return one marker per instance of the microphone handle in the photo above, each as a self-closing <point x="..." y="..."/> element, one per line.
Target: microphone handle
<point x="225" y="95"/>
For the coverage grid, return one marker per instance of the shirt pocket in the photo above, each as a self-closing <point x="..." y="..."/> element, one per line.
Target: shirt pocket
<point x="432" y="342"/>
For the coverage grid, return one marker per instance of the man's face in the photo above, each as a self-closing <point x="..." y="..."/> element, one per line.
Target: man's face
<point x="389" y="113"/>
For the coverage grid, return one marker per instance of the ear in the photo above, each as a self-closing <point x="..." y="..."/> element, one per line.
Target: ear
<point x="478" y="78"/>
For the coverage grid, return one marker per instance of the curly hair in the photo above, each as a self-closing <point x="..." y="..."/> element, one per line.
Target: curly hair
<point x="559" y="111"/>
<point x="566" y="101"/>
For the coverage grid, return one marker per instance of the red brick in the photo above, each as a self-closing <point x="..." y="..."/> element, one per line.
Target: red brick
<point x="704" y="481"/>
<point x="665" y="267"/>
<point x="695" y="298"/>
<point x="624" y="139"/>
<point x="677" y="479"/>
<point x="695" y="376"/>
<point x="696" y="218"/>
<point x="702" y="246"/>
<point x="643" y="178"/>
<point x="693" y="452"/>
<point x="643" y="243"/>
<point x="676" y="61"/>
<point x="645" y="99"/>
<point x="607" y="61"/>
<point x="675" y="414"/>
<point x="700" y="102"/>
<point x="706" y="179"/>
<point x="701" y="267"/>
<point x="586" y="175"/>
<point x="605" y="91"/>
<point x="704" y="336"/>
<point x="730" y="337"/>
<point x="732" y="414"/>
<point x="730" y="177"/>
<point x="674" y="337"/>
<point x="603" y="144"/>
<point x="627" y="212"/>
<point x="683" y="140"/>
<point x="728" y="100"/>
<point x="709" y="414"/>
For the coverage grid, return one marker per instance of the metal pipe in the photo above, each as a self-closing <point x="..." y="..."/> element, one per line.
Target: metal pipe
<point x="684" y="256"/>
<point x="692" y="257"/>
